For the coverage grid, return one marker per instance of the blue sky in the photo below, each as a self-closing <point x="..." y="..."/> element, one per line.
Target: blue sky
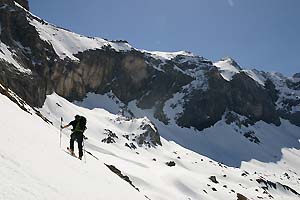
<point x="262" y="34"/>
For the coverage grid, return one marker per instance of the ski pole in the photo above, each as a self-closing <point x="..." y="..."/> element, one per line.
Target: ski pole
<point x="61" y="120"/>
<point x="83" y="151"/>
<point x="91" y="154"/>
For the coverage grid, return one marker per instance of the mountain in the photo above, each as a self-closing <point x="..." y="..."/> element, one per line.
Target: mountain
<point x="231" y="133"/>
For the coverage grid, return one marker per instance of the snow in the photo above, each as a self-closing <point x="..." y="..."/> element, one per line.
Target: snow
<point x="227" y="69"/>
<point x="17" y="4"/>
<point x="167" y="55"/>
<point x="8" y="56"/>
<point x="255" y="76"/>
<point x="163" y="57"/>
<point x="32" y="165"/>
<point x="67" y="44"/>
<point x="107" y="101"/>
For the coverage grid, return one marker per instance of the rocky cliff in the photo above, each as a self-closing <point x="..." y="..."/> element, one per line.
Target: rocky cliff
<point x="38" y="58"/>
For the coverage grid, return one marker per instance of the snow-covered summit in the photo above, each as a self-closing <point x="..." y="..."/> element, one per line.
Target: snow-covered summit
<point x="68" y="44"/>
<point x="228" y="67"/>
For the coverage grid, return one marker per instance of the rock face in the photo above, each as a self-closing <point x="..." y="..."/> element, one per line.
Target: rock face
<point x="149" y="79"/>
<point x="23" y="3"/>
<point x="23" y="40"/>
<point x="241" y="95"/>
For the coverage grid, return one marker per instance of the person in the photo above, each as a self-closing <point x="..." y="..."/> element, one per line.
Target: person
<point x="79" y="126"/>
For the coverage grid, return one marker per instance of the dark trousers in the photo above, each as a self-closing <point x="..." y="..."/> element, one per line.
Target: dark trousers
<point x="78" y="137"/>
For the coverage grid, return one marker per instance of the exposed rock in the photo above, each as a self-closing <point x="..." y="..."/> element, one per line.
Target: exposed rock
<point x="213" y="179"/>
<point x="271" y="89"/>
<point x="109" y="133"/>
<point x="266" y="184"/>
<point x="232" y="117"/>
<point x="5" y="91"/>
<point x="30" y="51"/>
<point x="241" y="95"/>
<point x="119" y="173"/>
<point x="126" y="136"/>
<point x="171" y="163"/>
<point x="21" y="103"/>
<point x="241" y="197"/>
<point x="108" y="140"/>
<point x="130" y="146"/>
<point x="251" y="137"/>
<point x="150" y="136"/>
<point x="245" y="173"/>
<point x="110" y="137"/>
<point x="287" y="175"/>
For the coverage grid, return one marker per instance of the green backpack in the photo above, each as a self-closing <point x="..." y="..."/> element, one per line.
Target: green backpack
<point x="81" y="124"/>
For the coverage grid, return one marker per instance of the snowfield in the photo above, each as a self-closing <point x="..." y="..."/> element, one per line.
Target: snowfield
<point x="66" y="43"/>
<point x="222" y="162"/>
<point x="33" y="166"/>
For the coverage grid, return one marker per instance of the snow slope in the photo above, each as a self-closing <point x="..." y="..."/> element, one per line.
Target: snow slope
<point x="67" y="43"/>
<point x="34" y="167"/>
<point x="189" y="178"/>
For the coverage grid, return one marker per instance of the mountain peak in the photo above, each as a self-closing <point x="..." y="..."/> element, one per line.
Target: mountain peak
<point x="228" y="68"/>
<point x="232" y="62"/>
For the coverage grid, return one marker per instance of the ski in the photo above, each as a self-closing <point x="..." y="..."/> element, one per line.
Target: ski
<point x="69" y="151"/>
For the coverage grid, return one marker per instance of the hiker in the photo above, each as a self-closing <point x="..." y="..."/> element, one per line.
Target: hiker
<point x="79" y="126"/>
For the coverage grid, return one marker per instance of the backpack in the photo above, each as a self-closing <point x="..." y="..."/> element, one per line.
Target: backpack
<point x="81" y="124"/>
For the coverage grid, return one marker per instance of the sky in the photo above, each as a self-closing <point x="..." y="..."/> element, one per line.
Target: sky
<point x="261" y="34"/>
